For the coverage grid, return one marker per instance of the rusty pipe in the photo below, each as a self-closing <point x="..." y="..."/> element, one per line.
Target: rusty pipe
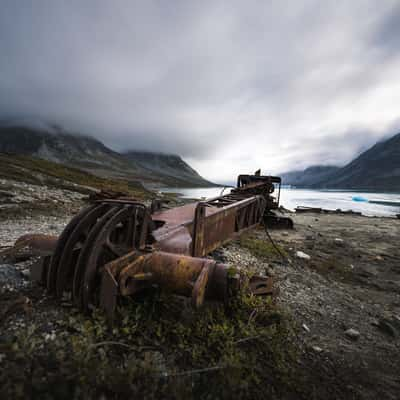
<point x="199" y="278"/>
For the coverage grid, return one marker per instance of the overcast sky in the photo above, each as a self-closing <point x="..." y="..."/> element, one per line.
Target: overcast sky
<point x="231" y="86"/>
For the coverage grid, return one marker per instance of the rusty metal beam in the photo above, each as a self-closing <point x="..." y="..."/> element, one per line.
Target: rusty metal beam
<point x="118" y="247"/>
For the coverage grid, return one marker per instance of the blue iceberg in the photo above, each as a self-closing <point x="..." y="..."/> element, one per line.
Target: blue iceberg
<point x="360" y="199"/>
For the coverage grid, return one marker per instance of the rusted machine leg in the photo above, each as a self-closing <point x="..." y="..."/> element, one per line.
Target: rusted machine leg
<point x="182" y="275"/>
<point x="33" y="245"/>
<point x="198" y="278"/>
<point x="39" y="244"/>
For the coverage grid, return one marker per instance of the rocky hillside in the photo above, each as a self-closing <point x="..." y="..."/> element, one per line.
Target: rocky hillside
<point x="170" y="166"/>
<point x="378" y="169"/>
<point x="53" y="144"/>
<point x="30" y="185"/>
<point x="310" y="176"/>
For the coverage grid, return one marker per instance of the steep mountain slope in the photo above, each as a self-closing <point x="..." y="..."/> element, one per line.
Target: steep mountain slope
<point x="36" y="171"/>
<point x="169" y="166"/>
<point x="86" y="153"/>
<point x="63" y="148"/>
<point x="32" y="186"/>
<point x="314" y="175"/>
<point x="376" y="169"/>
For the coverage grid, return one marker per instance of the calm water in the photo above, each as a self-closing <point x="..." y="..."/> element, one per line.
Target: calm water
<point x="328" y="199"/>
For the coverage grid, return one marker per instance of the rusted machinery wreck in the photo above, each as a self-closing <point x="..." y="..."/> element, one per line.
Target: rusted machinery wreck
<point x="118" y="247"/>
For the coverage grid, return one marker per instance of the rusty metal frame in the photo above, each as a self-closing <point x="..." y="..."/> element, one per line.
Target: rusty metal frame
<point x="155" y="246"/>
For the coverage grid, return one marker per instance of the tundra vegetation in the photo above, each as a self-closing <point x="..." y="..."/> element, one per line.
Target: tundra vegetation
<point x="159" y="347"/>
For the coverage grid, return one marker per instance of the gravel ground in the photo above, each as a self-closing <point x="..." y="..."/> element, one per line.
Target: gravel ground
<point x="339" y="282"/>
<point x="16" y="193"/>
<point x="12" y="229"/>
<point x="345" y="298"/>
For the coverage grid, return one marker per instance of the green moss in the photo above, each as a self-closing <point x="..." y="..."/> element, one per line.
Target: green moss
<point x="333" y="267"/>
<point x="37" y="171"/>
<point x="261" y="248"/>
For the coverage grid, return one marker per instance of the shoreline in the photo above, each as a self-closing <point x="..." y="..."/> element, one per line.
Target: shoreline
<point x="292" y="198"/>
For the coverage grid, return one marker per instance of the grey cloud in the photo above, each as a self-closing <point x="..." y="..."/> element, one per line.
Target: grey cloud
<point x="386" y="36"/>
<point x="226" y="84"/>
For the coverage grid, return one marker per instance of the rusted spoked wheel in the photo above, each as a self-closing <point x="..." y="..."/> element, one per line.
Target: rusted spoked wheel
<point x="55" y="261"/>
<point x="73" y="246"/>
<point x="84" y="254"/>
<point x="127" y="230"/>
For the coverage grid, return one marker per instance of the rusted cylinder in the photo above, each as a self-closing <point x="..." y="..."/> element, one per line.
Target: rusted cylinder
<point x="199" y="278"/>
<point x="39" y="244"/>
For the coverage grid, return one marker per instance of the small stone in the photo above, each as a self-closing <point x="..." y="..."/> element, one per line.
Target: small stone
<point x="317" y="349"/>
<point x="49" y="336"/>
<point x="339" y="242"/>
<point x="301" y="254"/>
<point x="26" y="273"/>
<point x="352" y="334"/>
<point x="306" y="328"/>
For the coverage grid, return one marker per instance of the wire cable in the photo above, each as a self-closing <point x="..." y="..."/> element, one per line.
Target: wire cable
<point x="283" y="256"/>
<point x="223" y="190"/>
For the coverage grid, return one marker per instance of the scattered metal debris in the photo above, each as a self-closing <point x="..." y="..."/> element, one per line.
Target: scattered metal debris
<point x="118" y="247"/>
<point x="30" y="245"/>
<point x="318" y="210"/>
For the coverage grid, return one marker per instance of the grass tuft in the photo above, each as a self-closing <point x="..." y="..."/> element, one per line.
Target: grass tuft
<point x="260" y="248"/>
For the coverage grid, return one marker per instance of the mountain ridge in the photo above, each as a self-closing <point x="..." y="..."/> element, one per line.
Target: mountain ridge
<point x="311" y="175"/>
<point x="164" y="163"/>
<point x="91" y="155"/>
<point x="377" y="168"/>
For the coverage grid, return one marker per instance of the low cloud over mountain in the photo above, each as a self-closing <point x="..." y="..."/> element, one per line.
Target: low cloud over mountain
<point x="231" y="86"/>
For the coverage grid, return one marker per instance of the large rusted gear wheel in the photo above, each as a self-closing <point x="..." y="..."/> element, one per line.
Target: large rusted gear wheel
<point x="55" y="261"/>
<point x="81" y="262"/>
<point x="127" y="230"/>
<point x="97" y="235"/>
<point x="73" y="247"/>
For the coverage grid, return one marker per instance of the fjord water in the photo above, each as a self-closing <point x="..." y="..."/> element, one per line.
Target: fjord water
<point x="377" y="204"/>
